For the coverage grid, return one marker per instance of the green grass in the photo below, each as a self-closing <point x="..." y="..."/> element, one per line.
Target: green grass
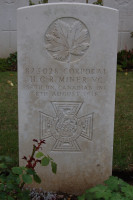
<point x="8" y="115"/>
<point x="123" y="138"/>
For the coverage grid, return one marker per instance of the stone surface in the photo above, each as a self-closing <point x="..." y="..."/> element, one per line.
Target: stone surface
<point x="8" y="25"/>
<point x="125" y="8"/>
<point x="71" y="1"/>
<point x="66" y="91"/>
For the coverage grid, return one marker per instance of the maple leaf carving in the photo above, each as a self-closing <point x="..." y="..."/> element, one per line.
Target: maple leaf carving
<point x="65" y="40"/>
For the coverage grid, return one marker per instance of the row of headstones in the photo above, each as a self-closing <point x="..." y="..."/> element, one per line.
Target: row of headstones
<point x="8" y="32"/>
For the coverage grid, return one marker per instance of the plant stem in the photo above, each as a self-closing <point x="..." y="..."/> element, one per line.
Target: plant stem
<point x="22" y="185"/>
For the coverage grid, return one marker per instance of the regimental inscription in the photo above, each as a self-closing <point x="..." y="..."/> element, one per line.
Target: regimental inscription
<point x="67" y="39"/>
<point x="66" y="127"/>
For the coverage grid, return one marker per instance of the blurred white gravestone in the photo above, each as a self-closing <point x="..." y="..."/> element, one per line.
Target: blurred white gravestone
<point x="8" y="25"/>
<point x="66" y="91"/>
<point x="70" y="1"/>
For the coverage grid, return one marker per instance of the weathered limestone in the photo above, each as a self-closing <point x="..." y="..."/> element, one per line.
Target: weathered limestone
<point x="125" y="8"/>
<point x="70" y="1"/>
<point x="66" y="87"/>
<point x="8" y="25"/>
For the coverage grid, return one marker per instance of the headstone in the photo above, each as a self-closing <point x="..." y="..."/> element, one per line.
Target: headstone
<point x="125" y="8"/>
<point x="66" y="91"/>
<point x="70" y="1"/>
<point x="8" y="25"/>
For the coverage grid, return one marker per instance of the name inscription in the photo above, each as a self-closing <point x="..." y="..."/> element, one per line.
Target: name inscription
<point x="44" y="81"/>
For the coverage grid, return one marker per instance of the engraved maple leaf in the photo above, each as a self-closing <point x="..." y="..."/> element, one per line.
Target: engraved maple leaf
<point x="66" y="40"/>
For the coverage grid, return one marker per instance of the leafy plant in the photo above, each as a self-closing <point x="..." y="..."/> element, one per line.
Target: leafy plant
<point x="39" y="2"/>
<point x="12" y="61"/>
<point x="99" y="2"/>
<point x="114" y="189"/>
<point x="13" y="179"/>
<point x="125" y="59"/>
<point x="43" y="1"/>
<point x="31" y="3"/>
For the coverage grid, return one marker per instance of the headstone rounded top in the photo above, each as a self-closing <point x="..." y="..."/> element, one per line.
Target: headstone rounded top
<point x="67" y="39"/>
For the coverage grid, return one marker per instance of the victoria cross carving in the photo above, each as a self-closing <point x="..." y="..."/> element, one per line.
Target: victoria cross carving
<point x="67" y="39"/>
<point x="66" y="127"/>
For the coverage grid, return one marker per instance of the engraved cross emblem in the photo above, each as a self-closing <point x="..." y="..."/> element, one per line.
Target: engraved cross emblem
<point x="66" y="127"/>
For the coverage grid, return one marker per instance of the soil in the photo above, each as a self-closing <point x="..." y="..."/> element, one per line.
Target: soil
<point x="126" y="176"/>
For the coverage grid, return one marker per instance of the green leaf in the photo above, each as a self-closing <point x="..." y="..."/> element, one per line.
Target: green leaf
<point x="36" y="178"/>
<point x="10" y="186"/>
<point x="114" y="183"/>
<point x="27" y="178"/>
<point x="30" y="171"/>
<point x="10" y="198"/>
<point x="81" y="197"/>
<point x="3" y="196"/>
<point x="45" y="161"/>
<point x="2" y="187"/>
<point x="54" y="167"/>
<point x="127" y="191"/>
<point x="101" y="192"/>
<point x="3" y="166"/>
<point x="23" y="168"/>
<point x="39" y="155"/>
<point x="117" y="196"/>
<point x="17" y="170"/>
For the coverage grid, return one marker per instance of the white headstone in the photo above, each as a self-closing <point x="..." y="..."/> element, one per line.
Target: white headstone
<point x="66" y="87"/>
<point x="70" y="1"/>
<point x="8" y="25"/>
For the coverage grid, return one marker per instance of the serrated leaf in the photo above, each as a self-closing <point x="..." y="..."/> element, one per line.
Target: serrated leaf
<point x="114" y="183"/>
<point x="39" y="155"/>
<point x="17" y="170"/>
<point x="54" y="167"/>
<point x="36" y="178"/>
<point x="67" y="39"/>
<point x="127" y="191"/>
<point x="100" y="192"/>
<point x="27" y="178"/>
<point x="45" y="161"/>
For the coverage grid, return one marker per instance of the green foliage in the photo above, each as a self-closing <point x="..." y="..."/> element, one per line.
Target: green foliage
<point x="13" y="179"/>
<point x="99" y="2"/>
<point x="12" y="61"/>
<point x="43" y="1"/>
<point x="125" y="59"/>
<point x="10" y="180"/>
<point x="114" y="189"/>
<point x="9" y="63"/>
<point x="39" y="2"/>
<point x="31" y="3"/>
